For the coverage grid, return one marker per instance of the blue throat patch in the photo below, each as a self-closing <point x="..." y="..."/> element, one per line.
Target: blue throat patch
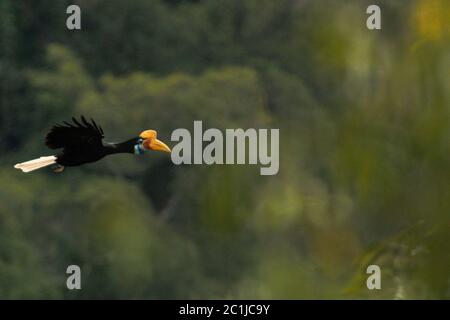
<point x="138" y="149"/>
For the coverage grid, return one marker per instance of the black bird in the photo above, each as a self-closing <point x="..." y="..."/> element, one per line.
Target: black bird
<point x="82" y="142"/>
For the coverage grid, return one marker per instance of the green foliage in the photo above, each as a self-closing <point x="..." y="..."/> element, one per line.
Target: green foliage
<point x="364" y="156"/>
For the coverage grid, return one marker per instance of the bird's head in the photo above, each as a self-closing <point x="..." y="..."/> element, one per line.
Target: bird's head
<point x="148" y="141"/>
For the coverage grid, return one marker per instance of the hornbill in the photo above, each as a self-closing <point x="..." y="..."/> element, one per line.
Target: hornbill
<point x="82" y="142"/>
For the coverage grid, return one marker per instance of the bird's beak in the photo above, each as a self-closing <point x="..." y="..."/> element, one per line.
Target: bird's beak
<point x="157" y="145"/>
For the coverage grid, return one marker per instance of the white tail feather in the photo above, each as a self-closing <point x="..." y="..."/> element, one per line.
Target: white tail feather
<point x="36" y="164"/>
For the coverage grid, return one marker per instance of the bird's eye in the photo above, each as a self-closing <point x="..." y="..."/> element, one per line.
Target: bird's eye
<point x="140" y="140"/>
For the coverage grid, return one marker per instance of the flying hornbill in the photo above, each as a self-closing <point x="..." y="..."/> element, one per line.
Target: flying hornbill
<point x="82" y="142"/>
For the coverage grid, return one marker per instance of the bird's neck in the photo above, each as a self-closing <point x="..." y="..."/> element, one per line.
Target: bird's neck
<point x="121" y="147"/>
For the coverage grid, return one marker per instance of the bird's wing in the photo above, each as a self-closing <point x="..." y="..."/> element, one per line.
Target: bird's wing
<point x="76" y="134"/>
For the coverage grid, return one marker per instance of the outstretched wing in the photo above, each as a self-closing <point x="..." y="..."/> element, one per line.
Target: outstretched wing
<point x="75" y="135"/>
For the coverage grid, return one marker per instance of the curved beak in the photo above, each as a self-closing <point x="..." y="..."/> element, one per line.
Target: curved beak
<point x="157" y="145"/>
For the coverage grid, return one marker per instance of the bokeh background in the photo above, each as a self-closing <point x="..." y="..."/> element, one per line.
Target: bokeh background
<point x="364" y="175"/>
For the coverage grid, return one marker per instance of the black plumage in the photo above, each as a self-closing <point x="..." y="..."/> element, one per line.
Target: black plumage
<point x="82" y="142"/>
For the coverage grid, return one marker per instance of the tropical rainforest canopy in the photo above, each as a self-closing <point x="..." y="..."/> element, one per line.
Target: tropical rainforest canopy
<point x="364" y="177"/>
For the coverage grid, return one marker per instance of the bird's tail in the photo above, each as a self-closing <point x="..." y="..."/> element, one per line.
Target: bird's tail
<point x="36" y="164"/>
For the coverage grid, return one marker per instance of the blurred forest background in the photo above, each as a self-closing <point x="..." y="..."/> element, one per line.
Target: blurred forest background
<point x="364" y="175"/>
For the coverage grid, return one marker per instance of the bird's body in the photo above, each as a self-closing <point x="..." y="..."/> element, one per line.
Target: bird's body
<point x="82" y="142"/>
<point x="81" y="155"/>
